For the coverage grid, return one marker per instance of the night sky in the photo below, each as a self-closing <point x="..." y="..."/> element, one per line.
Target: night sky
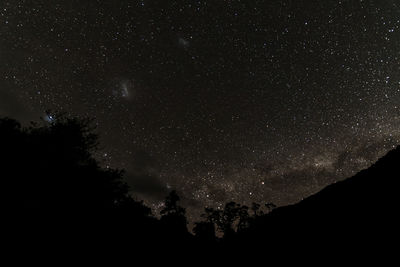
<point x="251" y="101"/>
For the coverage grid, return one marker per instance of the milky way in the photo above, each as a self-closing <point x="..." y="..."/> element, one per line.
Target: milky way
<point x="264" y="101"/>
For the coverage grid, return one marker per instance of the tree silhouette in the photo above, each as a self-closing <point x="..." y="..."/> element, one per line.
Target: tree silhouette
<point x="255" y="208"/>
<point x="53" y="187"/>
<point x="205" y="231"/>
<point x="173" y="215"/>
<point x="233" y="217"/>
<point x="50" y="168"/>
<point x="171" y="206"/>
<point x="270" y="206"/>
<point x="243" y="218"/>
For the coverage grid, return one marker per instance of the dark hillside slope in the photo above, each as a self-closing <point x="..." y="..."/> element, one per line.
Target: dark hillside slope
<point x="358" y="212"/>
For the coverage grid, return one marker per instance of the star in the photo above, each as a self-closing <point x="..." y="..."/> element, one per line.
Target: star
<point x="184" y="43"/>
<point x="215" y="99"/>
<point x="124" y="90"/>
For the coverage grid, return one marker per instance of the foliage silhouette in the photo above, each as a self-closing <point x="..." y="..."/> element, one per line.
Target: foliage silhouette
<point x="51" y="168"/>
<point x="54" y="189"/>
<point x="171" y="205"/>
<point x="173" y="216"/>
<point x="233" y="218"/>
<point x="205" y="231"/>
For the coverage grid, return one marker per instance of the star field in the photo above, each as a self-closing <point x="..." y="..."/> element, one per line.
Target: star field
<point x="264" y="101"/>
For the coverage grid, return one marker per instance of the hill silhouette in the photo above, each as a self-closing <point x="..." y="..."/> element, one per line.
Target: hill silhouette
<point x="356" y="214"/>
<point x="54" y="191"/>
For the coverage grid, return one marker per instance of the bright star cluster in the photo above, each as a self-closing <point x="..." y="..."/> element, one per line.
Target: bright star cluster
<point x="264" y="101"/>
